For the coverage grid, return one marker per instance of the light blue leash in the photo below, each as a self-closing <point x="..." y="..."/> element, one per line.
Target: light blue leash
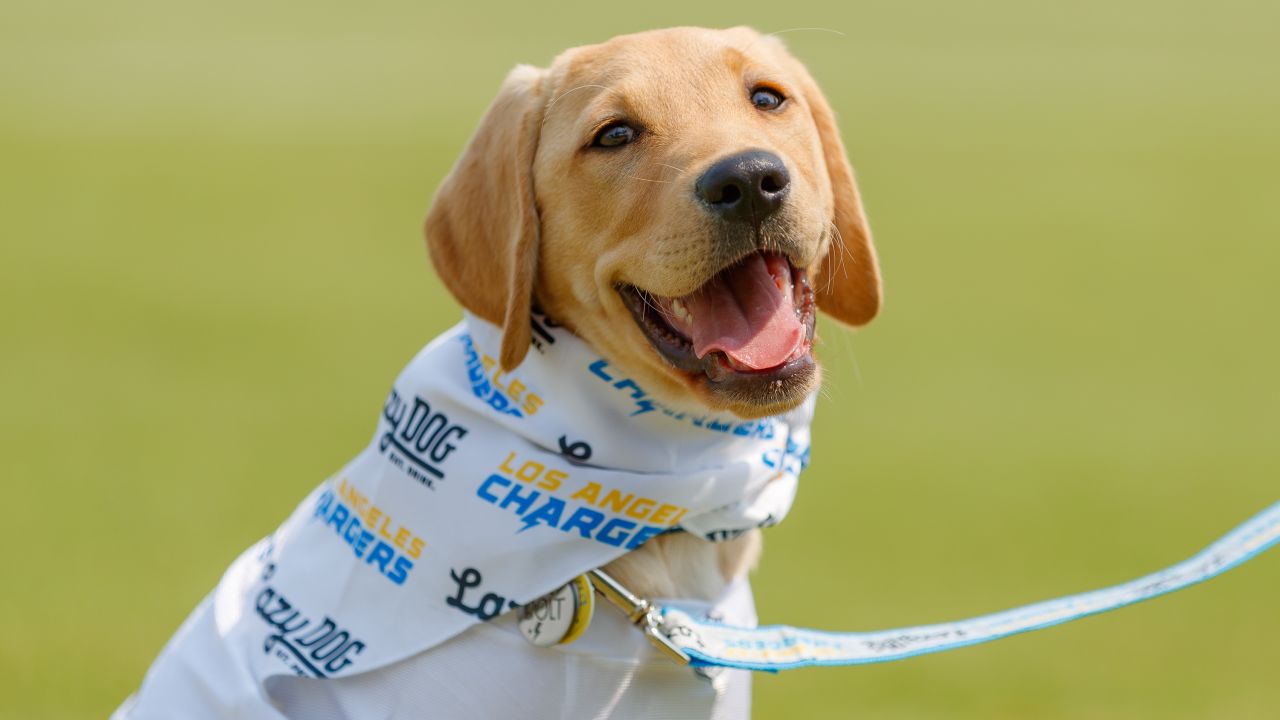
<point x="707" y="644"/>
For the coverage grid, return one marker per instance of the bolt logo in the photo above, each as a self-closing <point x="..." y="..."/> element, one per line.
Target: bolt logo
<point x="419" y="436"/>
<point x="528" y="488"/>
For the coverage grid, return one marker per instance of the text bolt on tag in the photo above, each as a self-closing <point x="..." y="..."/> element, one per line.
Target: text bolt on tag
<point x="560" y="616"/>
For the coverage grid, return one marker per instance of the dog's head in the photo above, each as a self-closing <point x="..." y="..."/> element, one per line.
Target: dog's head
<point x="680" y="199"/>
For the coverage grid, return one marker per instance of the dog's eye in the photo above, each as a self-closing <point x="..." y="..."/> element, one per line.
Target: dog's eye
<point x="614" y="135"/>
<point x="766" y="99"/>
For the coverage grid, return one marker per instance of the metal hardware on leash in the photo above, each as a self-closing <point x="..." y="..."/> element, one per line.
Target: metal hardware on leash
<point x="642" y="613"/>
<point x="709" y="647"/>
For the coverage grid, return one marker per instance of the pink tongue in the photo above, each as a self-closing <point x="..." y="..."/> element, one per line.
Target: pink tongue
<point x="746" y="315"/>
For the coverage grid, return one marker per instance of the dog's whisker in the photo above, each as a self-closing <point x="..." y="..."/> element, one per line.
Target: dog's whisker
<point x="801" y="29"/>
<point x="825" y="393"/>
<point x="776" y="33"/>
<point x="633" y="177"/>
<point x="840" y="266"/>
<point x="823" y="284"/>
<point x="680" y="170"/>
<point x="847" y="342"/>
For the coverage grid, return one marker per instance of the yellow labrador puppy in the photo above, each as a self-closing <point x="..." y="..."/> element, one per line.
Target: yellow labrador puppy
<point x="651" y="222"/>
<point x="652" y="193"/>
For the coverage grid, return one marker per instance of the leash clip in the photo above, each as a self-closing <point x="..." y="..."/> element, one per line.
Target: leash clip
<point x="641" y="612"/>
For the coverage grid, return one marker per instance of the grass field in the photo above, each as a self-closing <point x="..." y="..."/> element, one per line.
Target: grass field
<point x="211" y="268"/>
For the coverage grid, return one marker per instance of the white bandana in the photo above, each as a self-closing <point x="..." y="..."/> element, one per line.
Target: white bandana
<point x="482" y="490"/>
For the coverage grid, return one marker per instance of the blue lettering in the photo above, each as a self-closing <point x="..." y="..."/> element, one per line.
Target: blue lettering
<point x="323" y="504"/>
<point x="629" y="383"/>
<point x="499" y="402"/>
<point x="597" y="369"/>
<point x="352" y="531"/>
<point x="549" y="514"/>
<point x="483" y="490"/>
<point x="642" y="535"/>
<point x="382" y="552"/>
<point x="585" y="520"/>
<point x="615" y="531"/>
<point x="361" y="543"/>
<point x="768" y="458"/>
<point x="348" y="526"/>
<point x="645" y="406"/>
<point x="338" y="517"/>
<point x="513" y="496"/>
<point x="400" y="570"/>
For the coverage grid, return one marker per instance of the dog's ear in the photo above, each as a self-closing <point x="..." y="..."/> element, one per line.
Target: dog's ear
<point x="482" y="229"/>
<point x="848" y="279"/>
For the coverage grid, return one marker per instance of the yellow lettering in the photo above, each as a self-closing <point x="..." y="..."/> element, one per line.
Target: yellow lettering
<point x="530" y="471"/>
<point x="514" y="389"/>
<point x="383" y="529"/>
<point x="532" y="403"/>
<point x="402" y="537"/>
<point x="551" y="480"/>
<point x="496" y="379"/>
<point x="679" y="515"/>
<point x="589" y="492"/>
<point x="415" y="548"/>
<point x="635" y="510"/>
<point x="372" y="519"/>
<point x="488" y="362"/>
<point x="616" y="501"/>
<point x="662" y="514"/>
<point x="506" y="464"/>
<point x="353" y="496"/>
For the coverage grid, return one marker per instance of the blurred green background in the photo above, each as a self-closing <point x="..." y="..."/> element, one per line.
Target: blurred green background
<point x="211" y="268"/>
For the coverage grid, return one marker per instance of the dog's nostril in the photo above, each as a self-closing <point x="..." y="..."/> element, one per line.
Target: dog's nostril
<point x="729" y="195"/>
<point x="771" y="184"/>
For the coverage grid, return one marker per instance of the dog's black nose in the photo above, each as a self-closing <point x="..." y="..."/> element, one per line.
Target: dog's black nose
<point x="747" y="187"/>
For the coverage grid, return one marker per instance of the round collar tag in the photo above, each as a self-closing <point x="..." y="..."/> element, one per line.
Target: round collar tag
<point x="560" y="616"/>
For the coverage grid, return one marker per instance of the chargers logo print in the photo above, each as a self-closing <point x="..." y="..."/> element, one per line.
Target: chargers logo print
<point x="763" y="429"/>
<point x="418" y="438"/>
<point x="365" y="528"/>
<point x="506" y="395"/>
<point x="529" y="488"/>
<point x="792" y="460"/>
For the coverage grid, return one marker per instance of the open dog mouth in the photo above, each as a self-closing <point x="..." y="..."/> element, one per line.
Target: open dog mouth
<point x="748" y="327"/>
